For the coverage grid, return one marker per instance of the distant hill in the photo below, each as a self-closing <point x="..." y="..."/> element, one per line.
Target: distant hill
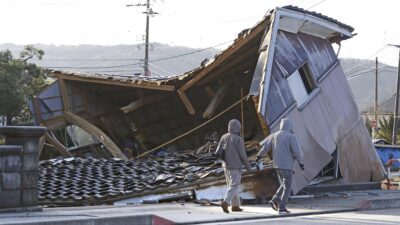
<point x="126" y="60"/>
<point x="361" y="78"/>
<point x="119" y="59"/>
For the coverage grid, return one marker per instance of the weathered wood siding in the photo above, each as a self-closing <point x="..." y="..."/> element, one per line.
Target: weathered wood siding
<point x="292" y="51"/>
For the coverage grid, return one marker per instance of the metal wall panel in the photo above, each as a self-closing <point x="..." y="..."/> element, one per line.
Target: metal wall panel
<point x="291" y="52"/>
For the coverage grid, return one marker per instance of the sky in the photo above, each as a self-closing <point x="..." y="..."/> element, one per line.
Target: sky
<point x="191" y="23"/>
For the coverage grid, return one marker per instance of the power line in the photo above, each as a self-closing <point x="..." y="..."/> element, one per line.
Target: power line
<point x="366" y="72"/>
<point x="316" y="4"/>
<point x="189" y="53"/>
<point x="161" y="69"/>
<point x="90" y="60"/>
<point x="90" y="67"/>
<point x="134" y="64"/>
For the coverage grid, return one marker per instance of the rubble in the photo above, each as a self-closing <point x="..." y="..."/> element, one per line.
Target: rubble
<point x="78" y="181"/>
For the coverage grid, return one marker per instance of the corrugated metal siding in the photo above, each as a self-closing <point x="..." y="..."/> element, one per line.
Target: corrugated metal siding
<point x="292" y="51"/>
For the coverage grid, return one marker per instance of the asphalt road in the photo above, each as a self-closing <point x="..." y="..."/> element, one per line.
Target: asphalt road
<point x="388" y="216"/>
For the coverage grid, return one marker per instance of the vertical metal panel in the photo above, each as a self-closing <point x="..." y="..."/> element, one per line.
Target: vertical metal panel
<point x="291" y="51"/>
<point x="274" y="109"/>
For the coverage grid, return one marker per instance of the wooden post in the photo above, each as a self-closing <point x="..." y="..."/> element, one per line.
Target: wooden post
<point x="36" y="108"/>
<point x="96" y="132"/>
<point x="242" y="111"/>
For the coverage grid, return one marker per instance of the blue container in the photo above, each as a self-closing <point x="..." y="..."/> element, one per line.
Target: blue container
<point x="385" y="152"/>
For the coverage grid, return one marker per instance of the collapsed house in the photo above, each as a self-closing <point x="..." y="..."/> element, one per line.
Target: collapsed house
<point x="284" y="66"/>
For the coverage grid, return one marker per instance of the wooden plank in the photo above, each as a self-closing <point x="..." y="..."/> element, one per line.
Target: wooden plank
<point x="229" y="52"/>
<point x="64" y="94"/>
<point x="142" y="102"/>
<point x="189" y="107"/>
<point x="96" y="132"/>
<point x="215" y="102"/>
<point x="114" y="82"/>
<point x="57" y="145"/>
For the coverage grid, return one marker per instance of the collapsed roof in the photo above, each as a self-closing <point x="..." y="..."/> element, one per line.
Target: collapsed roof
<point x="134" y="116"/>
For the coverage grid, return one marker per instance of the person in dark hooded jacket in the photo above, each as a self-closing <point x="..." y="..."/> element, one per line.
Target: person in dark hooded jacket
<point x="234" y="155"/>
<point x="285" y="150"/>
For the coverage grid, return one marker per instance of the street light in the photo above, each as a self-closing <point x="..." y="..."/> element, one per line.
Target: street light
<point x="396" y="103"/>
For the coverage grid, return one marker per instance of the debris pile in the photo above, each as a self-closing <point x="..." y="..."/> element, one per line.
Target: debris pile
<point x="78" y="181"/>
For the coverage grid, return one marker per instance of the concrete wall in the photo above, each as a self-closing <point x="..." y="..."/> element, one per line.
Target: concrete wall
<point x="19" y="166"/>
<point x="10" y="176"/>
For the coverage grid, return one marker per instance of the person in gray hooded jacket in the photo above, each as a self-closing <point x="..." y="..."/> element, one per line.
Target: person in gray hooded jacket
<point x="285" y="150"/>
<point x="231" y="148"/>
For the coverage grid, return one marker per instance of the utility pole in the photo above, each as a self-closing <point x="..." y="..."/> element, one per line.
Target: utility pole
<point x="146" y="51"/>
<point x="376" y="99"/>
<point x="396" y="104"/>
<point x="149" y="12"/>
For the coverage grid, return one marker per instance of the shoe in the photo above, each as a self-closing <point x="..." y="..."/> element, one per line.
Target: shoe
<point x="224" y="206"/>
<point x="236" y="209"/>
<point x="274" y="205"/>
<point x="283" y="211"/>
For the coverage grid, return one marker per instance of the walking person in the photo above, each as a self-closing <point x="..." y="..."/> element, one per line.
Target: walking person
<point x="231" y="150"/>
<point x="285" y="150"/>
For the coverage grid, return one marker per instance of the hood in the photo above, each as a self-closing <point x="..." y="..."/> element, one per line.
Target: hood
<point x="234" y="126"/>
<point x="286" y="125"/>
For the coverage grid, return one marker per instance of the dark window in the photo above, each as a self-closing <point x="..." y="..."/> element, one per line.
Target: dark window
<point x="307" y="78"/>
<point x="301" y="83"/>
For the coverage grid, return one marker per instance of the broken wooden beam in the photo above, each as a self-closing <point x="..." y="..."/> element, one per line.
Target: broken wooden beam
<point x="209" y="91"/>
<point x="216" y="100"/>
<point x="60" y="148"/>
<point x="144" y="85"/>
<point x="142" y="102"/>
<point x="186" y="102"/>
<point x="97" y="133"/>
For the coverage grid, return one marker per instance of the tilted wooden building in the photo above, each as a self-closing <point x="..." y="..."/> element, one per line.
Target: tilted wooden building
<point x="284" y="66"/>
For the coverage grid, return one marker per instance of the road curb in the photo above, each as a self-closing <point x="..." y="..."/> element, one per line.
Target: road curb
<point x="268" y="216"/>
<point x="378" y="203"/>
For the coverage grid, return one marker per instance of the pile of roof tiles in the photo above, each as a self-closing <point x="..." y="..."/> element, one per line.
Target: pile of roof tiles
<point x="77" y="180"/>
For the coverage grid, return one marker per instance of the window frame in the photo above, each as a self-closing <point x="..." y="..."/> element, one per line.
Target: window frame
<point x="311" y="87"/>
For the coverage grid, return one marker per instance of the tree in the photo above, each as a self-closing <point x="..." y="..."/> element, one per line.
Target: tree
<point x="386" y="128"/>
<point x="368" y="125"/>
<point x="19" y="81"/>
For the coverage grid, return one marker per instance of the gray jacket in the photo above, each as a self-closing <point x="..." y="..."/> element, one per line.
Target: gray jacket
<point x="232" y="144"/>
<point x="284" y="145"/>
